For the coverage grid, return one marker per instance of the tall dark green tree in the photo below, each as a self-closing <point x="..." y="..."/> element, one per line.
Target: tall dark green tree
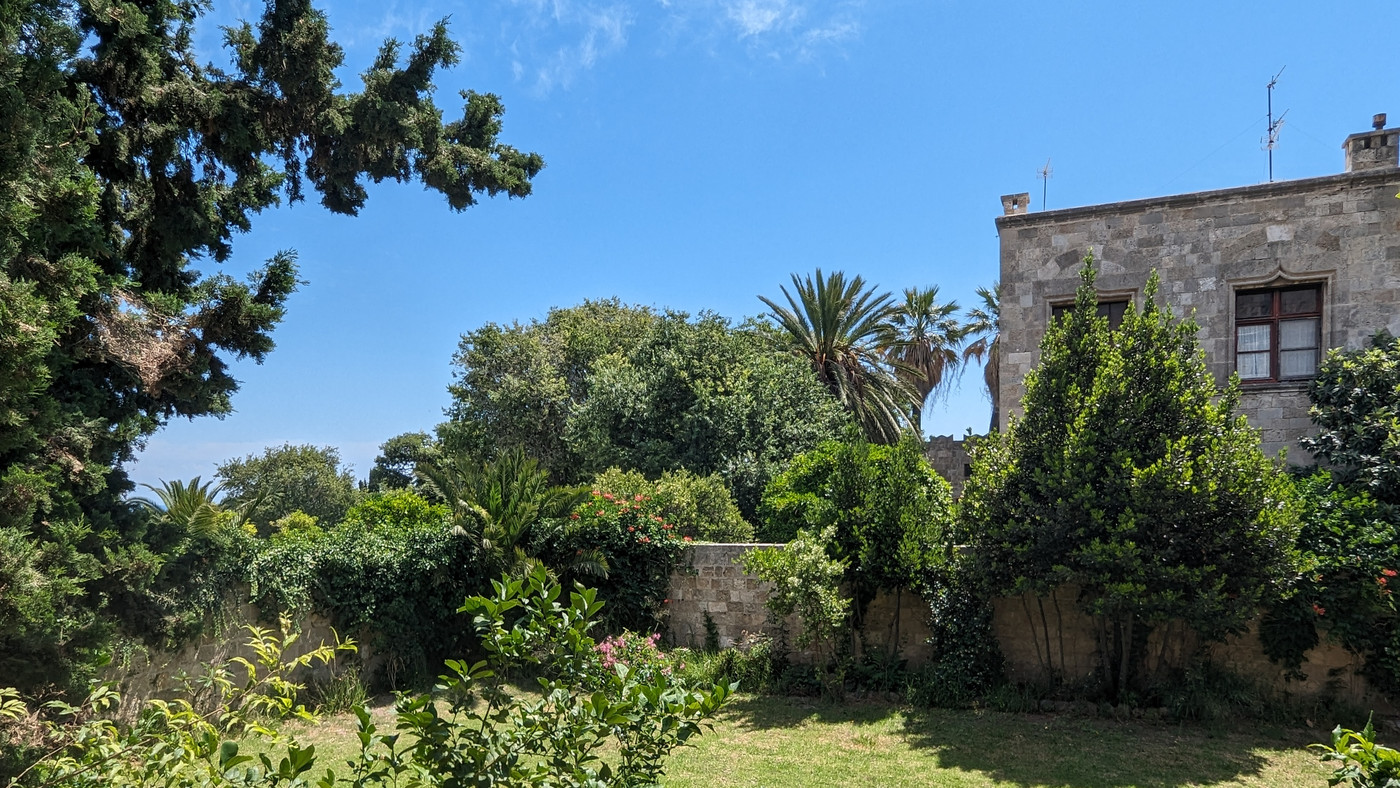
<point x="126" y="168"/>
<point x="1356" y="407"/>
<point x="1130" y="478"/>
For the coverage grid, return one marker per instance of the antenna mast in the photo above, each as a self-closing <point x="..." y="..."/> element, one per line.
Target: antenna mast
<point x="1274" y="125"/>
<point x="1044" y="173"/>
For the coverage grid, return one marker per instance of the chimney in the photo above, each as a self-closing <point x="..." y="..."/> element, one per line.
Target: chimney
<point x="1376" y="149"/>
<point x="1015" y="204"/>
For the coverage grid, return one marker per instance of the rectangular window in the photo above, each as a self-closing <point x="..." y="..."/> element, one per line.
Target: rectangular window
<point x="1278" y="333"/>
<point x="1113" y="310"/>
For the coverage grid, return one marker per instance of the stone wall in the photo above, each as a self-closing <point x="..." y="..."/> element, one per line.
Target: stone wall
<point x="149" y="674"/>
<point x="711" y="582"/>
<point x="1037" y="635"/>
<point x="948" y="456"/>
<point x="1341" y="231"/>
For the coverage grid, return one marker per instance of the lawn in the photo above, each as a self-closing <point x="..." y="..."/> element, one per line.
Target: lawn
<point x="780" y="742"/>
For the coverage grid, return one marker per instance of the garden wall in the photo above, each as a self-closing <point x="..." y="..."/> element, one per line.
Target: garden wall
<point x="1035" y="635"/>
<point x="710" y="581"/>
<point x="148" y="674"/>
<point x="1052" y="633"/>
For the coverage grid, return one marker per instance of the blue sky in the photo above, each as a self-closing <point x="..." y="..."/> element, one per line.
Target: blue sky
<point x="700" y="151"/>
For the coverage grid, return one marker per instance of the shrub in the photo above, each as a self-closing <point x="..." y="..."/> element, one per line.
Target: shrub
<point x="1361" y="762"/>
<point x="806" y="583"/>
<point x="398" y="509"/>
<point x="1355" y="401"/>
<point x="639" y="653"/>
<point x="641" y="551"/>
<point x="699" y="506"/>
<point x="1350" y="548"/>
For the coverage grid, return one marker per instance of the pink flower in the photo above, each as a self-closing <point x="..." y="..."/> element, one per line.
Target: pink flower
<point x="1318" y="609"/>
<point x="573" y="516"/>
<point x="608" y="496"/>
<point x="687" y="538"/>
<point x="637" y="497"/>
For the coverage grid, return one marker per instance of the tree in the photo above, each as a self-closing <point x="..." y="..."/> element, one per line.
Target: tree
<point x="700" y="507"/>
<point x="889" y="512"/>
<point x="1356" y="406"/>
<point x="925" y="349"/>
<point x="517" y="385"/>
<point x="843" y="329"/>
<point x="497" y="504"/>
<point x="984" y="323"/>
<point x="399" y="457"/>
<point x="124" y="164"/>
<point x="1130" y="478"/>
<point x="288" y="479"/>
<point x="602" y="385"/>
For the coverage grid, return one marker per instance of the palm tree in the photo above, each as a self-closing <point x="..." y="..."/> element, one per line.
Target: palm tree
<point x="188" y="507"/>
<point x="843" y="328"/>
<point x="984" y="323"/>
<point x="927" y="337"/>
<point x="497" y="504"/>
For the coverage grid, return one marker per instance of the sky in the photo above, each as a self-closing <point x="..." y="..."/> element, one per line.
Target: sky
<point x="700" y="152"/>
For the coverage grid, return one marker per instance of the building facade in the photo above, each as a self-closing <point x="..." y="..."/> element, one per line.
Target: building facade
<point x="1275" y="274"/>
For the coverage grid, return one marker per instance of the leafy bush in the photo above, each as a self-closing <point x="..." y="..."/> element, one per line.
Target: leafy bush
<point x="397" y="509"/>
<point x="753" y="664"/>
<point x="557" y="737"/>
<point x="699" y="506"/>
<point x="1361" y="762"/>
<point x="806" y="582"/>
<point x="967" y="661"/>
<point x="1350" y="547"/>
<point x="640" y="654"/>
<point x="186" y="741"/>
<point x="401" y="587"/>
<point x="890" y="514"/>
<point x="1355" y="403"/>
<point x="641" y="551"/>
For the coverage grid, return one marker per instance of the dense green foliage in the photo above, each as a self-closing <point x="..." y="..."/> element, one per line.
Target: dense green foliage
<point x="1361" y="761"/>
<point x="1350" y="550"/>
<point x="806" y="583"/>
<point x="604" y="385"/>
<point x="584" y="709"/>
<point x="1129" y="477"/>
<point x="397" y="586"/>
<point x="1356" y="406"/>
<point x="699" y="506"/>
<point x="399" y="457"/>
<point x="124" y="163"/>
<point x="891" y="513"/>
<point x="288" y="479"/>
<point x="640" y="549"/>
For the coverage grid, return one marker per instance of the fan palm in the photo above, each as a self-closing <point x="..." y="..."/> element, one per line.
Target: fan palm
<point x="927" y="336"/>
<point x="843" y="328"/>
<point x="497" y="504"/>
<point x="984" y="323"/>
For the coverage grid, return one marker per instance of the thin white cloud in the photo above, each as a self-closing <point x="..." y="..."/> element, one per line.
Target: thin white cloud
<point x="755" y="17"/>
<point x="559" y="39"/>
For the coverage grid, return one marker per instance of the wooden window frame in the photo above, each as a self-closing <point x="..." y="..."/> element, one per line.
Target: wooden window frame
<point x="1057" y="310"/>
<point x="1275" y="318"/>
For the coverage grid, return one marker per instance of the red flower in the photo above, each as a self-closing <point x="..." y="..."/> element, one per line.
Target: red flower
<point x="630" y="528"/>
<point x="1318" y="609"/>
<point x="1388" y="572"/>
<point x="687" y="538"/>
<point x="573" y="516"/>
<point x="637" y="497"/>
<point x="668" y="526"/>
<point x="644" y="538"/>
<point x="597" y="492"/>
<point x="608" y="496"/>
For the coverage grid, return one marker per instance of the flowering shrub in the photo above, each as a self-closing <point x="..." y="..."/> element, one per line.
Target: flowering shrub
<point x="644" y="660"/>
<point x="641" y="549"/>
<point x="1350" y="543"/>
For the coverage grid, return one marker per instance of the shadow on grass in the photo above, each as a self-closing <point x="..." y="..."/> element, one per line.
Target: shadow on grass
<point x="1041" y="750"/>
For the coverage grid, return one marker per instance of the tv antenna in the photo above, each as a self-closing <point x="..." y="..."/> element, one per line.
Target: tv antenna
<point x="1044" y="173"/>
<point x="1274" y="125"/>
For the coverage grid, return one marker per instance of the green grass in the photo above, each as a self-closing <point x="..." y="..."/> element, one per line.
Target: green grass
<point x="780" y="742"/>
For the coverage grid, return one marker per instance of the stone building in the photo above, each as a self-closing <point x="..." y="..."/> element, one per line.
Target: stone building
<point x="1275" y="274"/>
